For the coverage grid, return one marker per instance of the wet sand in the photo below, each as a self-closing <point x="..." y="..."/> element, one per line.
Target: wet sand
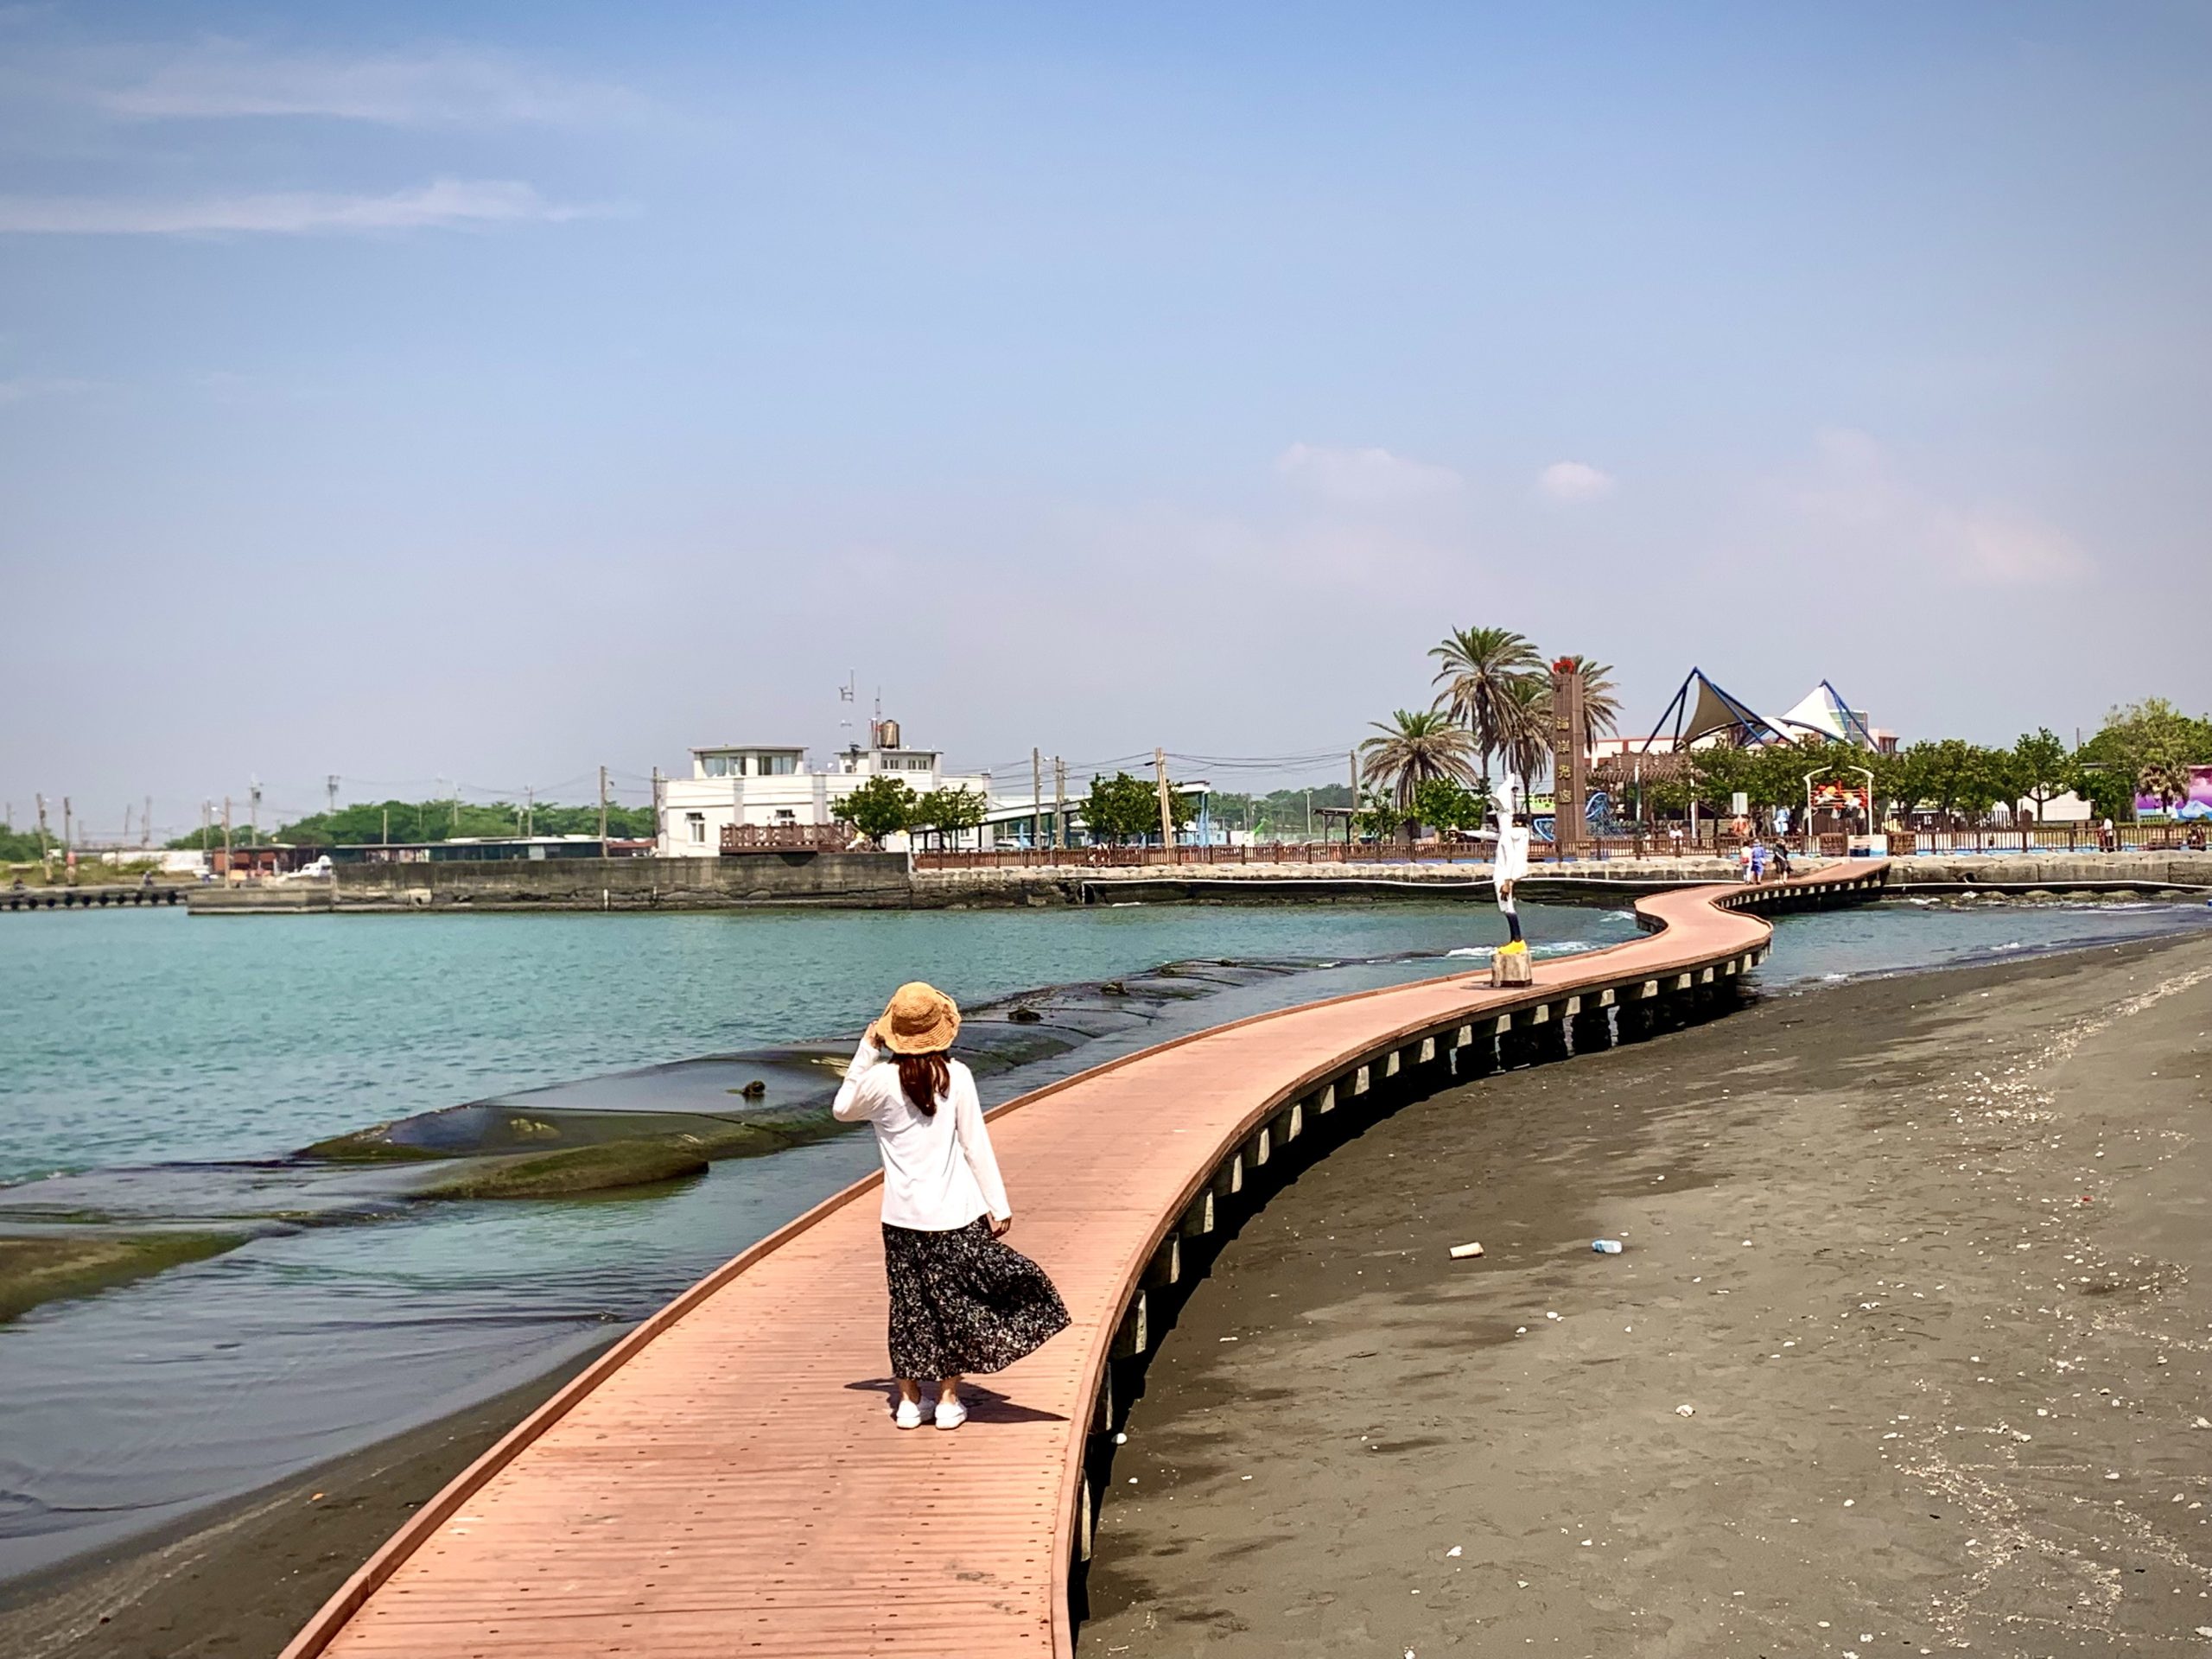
<point x="1923" y="1256"/>
<point x="239" y="1579"/>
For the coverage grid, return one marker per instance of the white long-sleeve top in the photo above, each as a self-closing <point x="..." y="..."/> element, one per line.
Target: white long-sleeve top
<point x="939" y="1172"/>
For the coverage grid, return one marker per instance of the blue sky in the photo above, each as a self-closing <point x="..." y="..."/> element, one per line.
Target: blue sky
<point x="485" y="393"/>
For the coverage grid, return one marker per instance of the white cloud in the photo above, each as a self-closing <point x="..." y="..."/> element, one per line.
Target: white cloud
<point x="1860" y="498"/>
<point x="452" y="87"/>
<point x="1573" y="481"/>
<point x="1363" y="477"/>
<point x="23" y="388"/>
<point x="443" y="203"/>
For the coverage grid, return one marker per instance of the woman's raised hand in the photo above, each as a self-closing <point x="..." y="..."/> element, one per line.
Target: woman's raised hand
<point x="1002" y="1225"/>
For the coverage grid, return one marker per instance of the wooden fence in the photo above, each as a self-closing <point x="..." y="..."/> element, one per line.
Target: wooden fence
<point x="1712" y="840"/>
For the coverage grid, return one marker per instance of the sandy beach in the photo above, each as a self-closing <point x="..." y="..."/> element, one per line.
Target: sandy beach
<point x="1906" y="1353"/>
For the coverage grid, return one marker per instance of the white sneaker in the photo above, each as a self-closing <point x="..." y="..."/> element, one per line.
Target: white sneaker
<point x="909" y="1415"/>
<point x="950" y="1413"/>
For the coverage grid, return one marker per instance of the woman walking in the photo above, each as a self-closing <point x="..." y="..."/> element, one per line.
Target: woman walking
<point x="961" y="1301"/>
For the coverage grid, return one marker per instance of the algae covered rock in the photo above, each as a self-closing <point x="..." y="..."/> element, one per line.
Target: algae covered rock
<point x="603" y="1168"/>
<point x="35" y="1270"/>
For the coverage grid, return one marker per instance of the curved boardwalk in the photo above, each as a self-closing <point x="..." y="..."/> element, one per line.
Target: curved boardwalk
<point x="726" y="1480"/>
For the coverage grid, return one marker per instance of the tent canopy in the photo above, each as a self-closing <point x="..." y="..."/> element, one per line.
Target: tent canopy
<point x="1822" y="712"/>
<point x="1700" y="710"/>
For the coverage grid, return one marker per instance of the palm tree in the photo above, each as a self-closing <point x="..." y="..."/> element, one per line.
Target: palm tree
<point x="1413" y="748"/>
<point x="1527" y="736"/>
<point x="1480" y="667"/>
<point x="2166" y="779"/>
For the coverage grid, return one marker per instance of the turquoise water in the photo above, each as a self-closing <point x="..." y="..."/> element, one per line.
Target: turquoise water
<point x="133" y="1037"/>
<point x="159" y="1067"/>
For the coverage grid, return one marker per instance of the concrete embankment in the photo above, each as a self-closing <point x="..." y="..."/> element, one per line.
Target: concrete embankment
<point x="877" y="880"/>
<point x="887" y="881"/>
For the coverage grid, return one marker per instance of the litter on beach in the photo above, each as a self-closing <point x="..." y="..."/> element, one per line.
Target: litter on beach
<point x="1461" y="1252"/>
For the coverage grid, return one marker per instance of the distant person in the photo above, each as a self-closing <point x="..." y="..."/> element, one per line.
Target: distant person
<point x="2195" y="842"/>
<point x="1758" y="861"/>
<point x="961" y="1301"/>
<point x="1780" y="855"/>
<point x="2108" y="837"/>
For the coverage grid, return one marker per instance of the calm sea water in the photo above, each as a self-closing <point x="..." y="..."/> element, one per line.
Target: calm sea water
<point x="161" y="1068"/>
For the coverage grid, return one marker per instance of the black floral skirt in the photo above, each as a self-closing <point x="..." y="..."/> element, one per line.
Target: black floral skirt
<point x="962" y="1302"/>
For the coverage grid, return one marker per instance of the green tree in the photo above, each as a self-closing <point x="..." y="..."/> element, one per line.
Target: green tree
<point x="1953" y="776"/>
<point x="1719" y="773"/>
<point x="948" y="811"/>
<point x="1378" y="815"/>
<point x="2042" y="766"/>
<point x="1446" y="804"/>
<point x="881" y="806"/>
<point x="1122" y="809"/>
<point x="2150" y="732"/>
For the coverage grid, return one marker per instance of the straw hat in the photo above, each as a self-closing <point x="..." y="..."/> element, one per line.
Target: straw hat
<point x="918" y="1020"/>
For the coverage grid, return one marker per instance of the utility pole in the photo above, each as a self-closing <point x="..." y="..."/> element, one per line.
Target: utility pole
<point x="1036" y="799"/>
<point x="126" y="821"/>
<point x="387" y="823"/>
<point x="1059" y="803"/>
<point x="68" y="839"/>
<point x="602" y="811"/>
<point x="146" y="825"/>
<point x="529" y="808"/>
<point x="226" y="837"/>
<point x="660" y="816"/>
<point x="207" y="826"/>
<point x="1309" y="815"/>
<point x="330" y="793"/>
<point x="1166" y="812"/>
<point x="45" y="858"/>
<point x="253" y="812"/>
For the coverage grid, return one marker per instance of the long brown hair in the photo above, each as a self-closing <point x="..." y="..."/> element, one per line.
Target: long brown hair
<point x="925" y="1077"/>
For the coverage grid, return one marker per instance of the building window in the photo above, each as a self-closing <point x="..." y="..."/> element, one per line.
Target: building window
<point x="697" y="820"/>
<point x="715" y="765"/>
<point x="779" y="766"/>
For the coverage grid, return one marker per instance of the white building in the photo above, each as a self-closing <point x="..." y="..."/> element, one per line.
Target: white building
<point x="770" y="787"/>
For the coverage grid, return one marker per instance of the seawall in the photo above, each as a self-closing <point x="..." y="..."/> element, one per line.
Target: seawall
<point x="887" y="881"/>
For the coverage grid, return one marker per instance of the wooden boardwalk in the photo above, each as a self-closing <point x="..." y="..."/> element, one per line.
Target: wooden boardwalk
<point x="727" y="1480"/>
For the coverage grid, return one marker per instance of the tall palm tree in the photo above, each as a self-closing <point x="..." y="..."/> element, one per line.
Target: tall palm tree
<point x="1413" y="748"/>
<point x="1526" y="737"/>
<point x="1479" y="669"/>
<point x="2165" y="778"/>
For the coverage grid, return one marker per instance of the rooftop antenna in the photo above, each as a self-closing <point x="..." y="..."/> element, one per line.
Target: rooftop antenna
<point x="847" y="693"/>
